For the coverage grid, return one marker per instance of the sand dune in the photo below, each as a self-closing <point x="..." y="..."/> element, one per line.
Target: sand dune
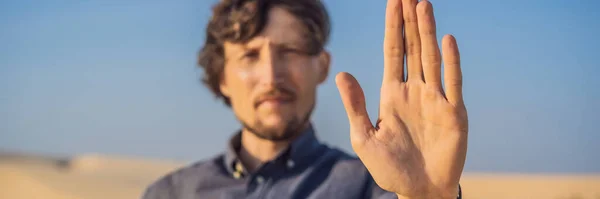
<point x="100" y="177"/>
<point x="85" y="177"/>
<point x="500" y="186"/>
<point x="18" y="184"/>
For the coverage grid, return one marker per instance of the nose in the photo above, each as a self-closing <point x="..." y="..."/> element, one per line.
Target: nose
<point x="273" y="70"/>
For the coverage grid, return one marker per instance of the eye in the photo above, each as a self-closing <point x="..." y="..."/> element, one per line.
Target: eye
<point x="253" y="54"/>
<point x="288" y="51"/>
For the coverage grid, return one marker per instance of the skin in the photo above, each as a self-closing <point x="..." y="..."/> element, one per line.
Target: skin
<point x="254" y="71"/>
<point x="417" y="149"/>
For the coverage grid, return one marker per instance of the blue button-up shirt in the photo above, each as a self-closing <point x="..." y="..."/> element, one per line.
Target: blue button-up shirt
<point x="307" y="169"/>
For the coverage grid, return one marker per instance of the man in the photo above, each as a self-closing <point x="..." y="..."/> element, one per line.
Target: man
<point x="265" y="59"/>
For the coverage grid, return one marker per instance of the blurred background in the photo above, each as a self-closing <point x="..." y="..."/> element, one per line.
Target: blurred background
<point x="106" y="94"/>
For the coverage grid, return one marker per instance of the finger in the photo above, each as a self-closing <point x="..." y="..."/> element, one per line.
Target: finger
<point x="412" y="40"/>
<point x="452" y="72"/>
<point x="354" y="103"/>
<point x="430" y="52"/>
<point x="393" y="44"/>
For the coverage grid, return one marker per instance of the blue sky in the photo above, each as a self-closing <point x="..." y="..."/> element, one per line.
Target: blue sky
<point x="119" y="77"/>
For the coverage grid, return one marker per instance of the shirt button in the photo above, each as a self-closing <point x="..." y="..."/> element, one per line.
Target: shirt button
<point x="290" y="164"/>
<point x="237" y="175"/>
<point x="260" y="179"/>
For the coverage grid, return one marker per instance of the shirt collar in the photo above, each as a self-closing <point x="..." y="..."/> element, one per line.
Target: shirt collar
<point x="299" y="151"/>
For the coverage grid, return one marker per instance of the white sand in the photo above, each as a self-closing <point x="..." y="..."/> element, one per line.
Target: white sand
<point x="101" y="177"/>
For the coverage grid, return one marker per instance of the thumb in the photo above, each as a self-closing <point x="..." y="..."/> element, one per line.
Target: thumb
<point x="353" y="98"/>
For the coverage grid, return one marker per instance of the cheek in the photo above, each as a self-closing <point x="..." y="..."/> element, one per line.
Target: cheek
<point x="304" y="71"/>
<point x="240" y="84"/>
<point x="244" y="75"/>
<point x="306" y="81"/>
<point x="236" y="75"/>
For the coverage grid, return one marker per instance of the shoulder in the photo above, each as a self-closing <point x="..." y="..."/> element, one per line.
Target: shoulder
<point x="190" y="176"/>
<point x="351" y="167"/>
<point x="345" y="174"/>
<point x="346" y="162"/>
<point x="344" y="166"/>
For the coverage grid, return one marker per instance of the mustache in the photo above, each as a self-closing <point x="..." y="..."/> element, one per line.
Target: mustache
<point x="276" y="93"/>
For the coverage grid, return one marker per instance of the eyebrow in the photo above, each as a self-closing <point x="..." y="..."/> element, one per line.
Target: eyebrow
<point x="292" y="44"/>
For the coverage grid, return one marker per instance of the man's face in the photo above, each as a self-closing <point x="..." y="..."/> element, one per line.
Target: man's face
<point x="271" y="81"/>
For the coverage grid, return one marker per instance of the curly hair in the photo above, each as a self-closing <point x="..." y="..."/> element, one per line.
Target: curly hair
<point x="238" y="21"/>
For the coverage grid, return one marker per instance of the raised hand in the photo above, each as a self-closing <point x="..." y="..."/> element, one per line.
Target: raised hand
<point x="418" y="147"/>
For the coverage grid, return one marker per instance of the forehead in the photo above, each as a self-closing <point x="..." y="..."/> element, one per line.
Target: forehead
<point x="282" y="28"/>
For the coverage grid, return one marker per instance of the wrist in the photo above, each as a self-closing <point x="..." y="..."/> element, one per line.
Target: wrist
<point x="425" y="197"/>
<point x="455" y="193"/>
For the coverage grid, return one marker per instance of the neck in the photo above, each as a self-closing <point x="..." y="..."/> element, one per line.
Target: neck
<point x="255" y="150"/>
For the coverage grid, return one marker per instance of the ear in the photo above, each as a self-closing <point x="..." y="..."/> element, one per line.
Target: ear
<point x="224" y="88"/>
<point x="324" y="65"/>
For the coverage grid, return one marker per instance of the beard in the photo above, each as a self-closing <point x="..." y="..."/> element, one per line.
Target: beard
<point x="292" y="128"/>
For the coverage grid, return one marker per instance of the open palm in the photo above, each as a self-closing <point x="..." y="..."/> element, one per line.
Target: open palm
<point x="418" y="147"/>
